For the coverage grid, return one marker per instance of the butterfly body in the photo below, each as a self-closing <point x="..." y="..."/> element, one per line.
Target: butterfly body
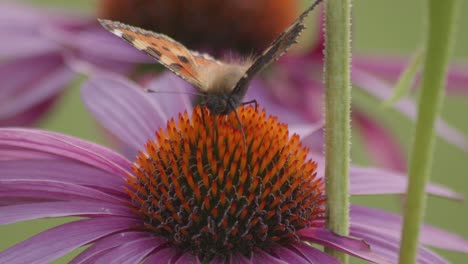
<point x="223" y="84"/>
<point x="220" y="97"/>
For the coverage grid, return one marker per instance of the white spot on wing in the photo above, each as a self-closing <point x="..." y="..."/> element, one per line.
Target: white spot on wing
<point x="117" y="32"/>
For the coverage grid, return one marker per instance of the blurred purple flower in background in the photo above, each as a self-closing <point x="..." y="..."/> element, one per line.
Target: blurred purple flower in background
<point x="38" y="48"/>
<point x="45" y="174"/>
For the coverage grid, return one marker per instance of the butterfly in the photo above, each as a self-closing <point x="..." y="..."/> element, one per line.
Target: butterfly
<point x="223" y="84"/>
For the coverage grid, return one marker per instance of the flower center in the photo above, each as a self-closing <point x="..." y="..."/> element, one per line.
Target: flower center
<point x="198" y="185"/>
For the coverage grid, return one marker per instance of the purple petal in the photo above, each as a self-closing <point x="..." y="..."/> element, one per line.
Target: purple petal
<point x="187" y="258"/>
<point x="15" y="154"/>
<point x="312" y="254"/>
<point x="457" y="78"/>
<point x="23" y="212"/>
<point x="388" y="246"/>
<point x="260" y="256"/>
<point x="132" y="252"/>
<point x="28" y="82"/>
<point x="102" y="246"/>
<point x="66" y="146"/>
<point x="390" y="67"/>
<point x="389" y="223"/>
<point x="406" y="106"/>
<point x="16" y="16"/>
<point x="31" y="115"/>
<point x="95" y="41"/>
<point x="95" y="257"/>
<point x="259" y="91"/>
<point x="381" y="145"/>
<point x="164" y="255"/>
<point x="365" y="181"/>
<point x="306" y="130"/>
<point x="61" y="170"/>
<point x="123" y="108"/>
<point x="302" y="253"/>
<point x="218" y="260"/>
<point x="43" y="189"/>
<point x="352" y="246"/>
<point x="26" y="45"/>
<point x="290" y="256"/>
<point x="179" y="96"/>
<point x="56" y="242"/>
<point x="238" y="259"/>
<point x="371" y="180"/>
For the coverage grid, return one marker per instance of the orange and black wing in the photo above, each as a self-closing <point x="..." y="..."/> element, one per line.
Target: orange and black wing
<point x="171" y="54"/>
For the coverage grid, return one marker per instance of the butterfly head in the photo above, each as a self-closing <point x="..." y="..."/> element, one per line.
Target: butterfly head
<point x="221" y="103"/>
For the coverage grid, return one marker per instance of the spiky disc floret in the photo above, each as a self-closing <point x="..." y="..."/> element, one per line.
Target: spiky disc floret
<point x="200" y="187"/>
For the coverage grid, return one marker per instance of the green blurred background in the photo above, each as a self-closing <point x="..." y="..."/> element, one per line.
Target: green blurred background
<point x="380" y="27"/>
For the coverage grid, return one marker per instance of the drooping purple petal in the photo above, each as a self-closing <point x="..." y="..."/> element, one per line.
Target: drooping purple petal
<point x="218" y="260"/>
<point x="131" y="252"/>
<point x="377" y="181"/>
<point x="59" y="191"/>
<point x="56" y="242"/>
<point x="351" y="246"/>
<point x="365" y="181"/>
<point x="407" y="107"/>
<point x="95" y="257"/>
<point x="164" y="255"/>
<point x="123" y="108"/>
<point x="65" y="146"/>
<point x="260" y="256"/>
<point x="187" y="257"/>
<point x="14" y="154"/>
<point x="103" y="245"/>
<point x="289" y="256"/>
<point x="387" y="67"/>
<point x="30" y="115"/>
<point x="312" y="254"/>
<point x="388" y="246"/>
<point x="457" y="78"/>
<point x="17" y="213"/>
<point x="389" y="223"/>
<point x="61" y="170"/>
<point x="381" y="146"/>
<point x="238" y="259"/>
<point x="302" y="253"/>
<point x="390" y="67"/>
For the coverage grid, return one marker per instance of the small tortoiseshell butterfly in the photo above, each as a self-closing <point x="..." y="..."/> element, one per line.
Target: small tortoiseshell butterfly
<point x="223" y="84"/>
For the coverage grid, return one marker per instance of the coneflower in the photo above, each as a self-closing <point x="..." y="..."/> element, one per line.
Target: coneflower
<point x="193" y="194"/>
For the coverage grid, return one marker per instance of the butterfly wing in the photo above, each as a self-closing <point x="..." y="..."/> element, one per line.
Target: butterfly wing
<point x="277" y="48"/>
<point x="170" y="53"/>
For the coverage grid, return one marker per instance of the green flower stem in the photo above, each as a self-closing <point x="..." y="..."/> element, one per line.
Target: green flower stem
<point x="440" y="39"/>
<point x="337" y="116"/>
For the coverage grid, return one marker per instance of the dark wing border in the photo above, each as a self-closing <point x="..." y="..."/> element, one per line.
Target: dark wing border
<point x="277" y="48"/>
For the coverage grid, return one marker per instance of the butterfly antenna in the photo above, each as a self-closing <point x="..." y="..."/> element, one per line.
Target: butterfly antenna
<point x="240" y="124"/>
<point x="172" y="92"/>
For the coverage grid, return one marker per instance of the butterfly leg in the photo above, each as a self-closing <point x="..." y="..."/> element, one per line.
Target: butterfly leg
<point x="251" y="102"/>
